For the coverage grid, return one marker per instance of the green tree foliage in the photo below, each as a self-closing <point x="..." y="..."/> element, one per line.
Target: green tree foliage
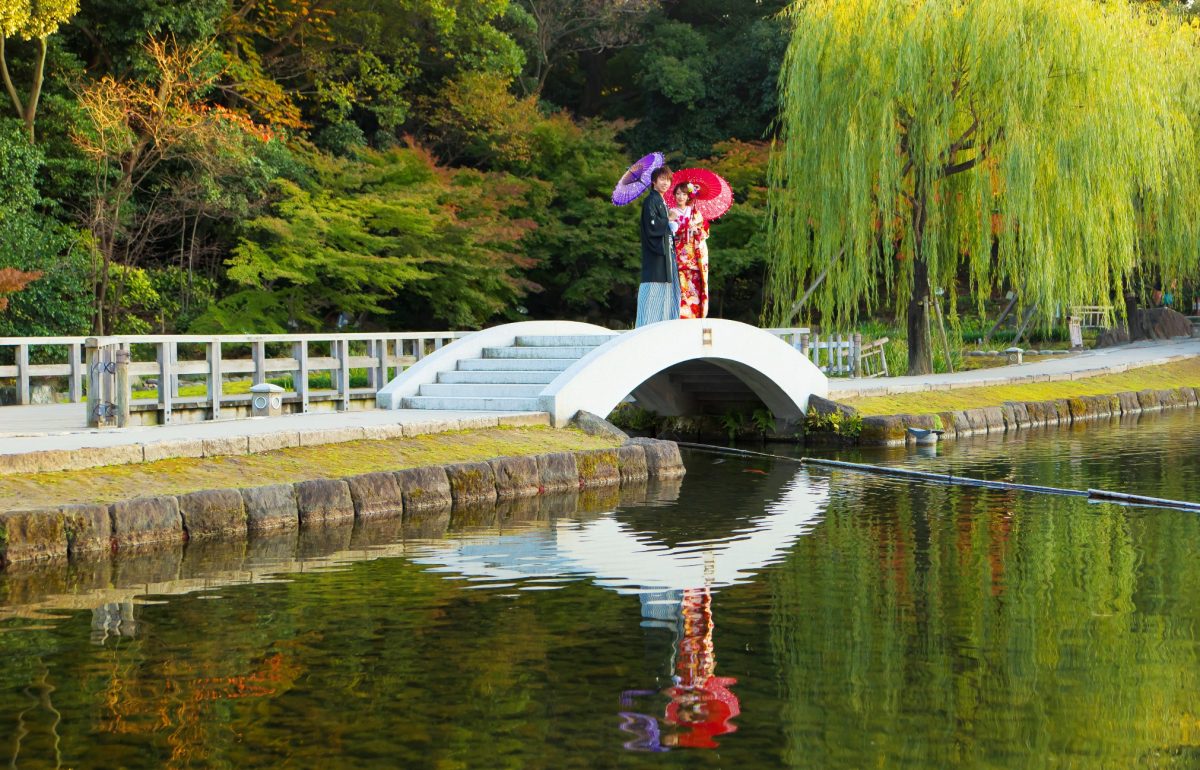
<point x="737" y="243"/>
<point x="321" y="63"/>
<point x="31" y="20"/>
<point x="385" y="235"/>
<point x="161" y="156"/>
<point x="33" y="243"/>
<point x="155" y="112"/>
<point x="700" y="72"/>
<point x="476" y="119"/>
<point x="585" y="250"/>
<point x="110" y="36"/>
<point x="554" y="31"/>
<point x="914" y="133"/>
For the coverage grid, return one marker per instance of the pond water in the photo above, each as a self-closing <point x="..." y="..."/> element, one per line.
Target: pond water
<point x="757" y="616"/>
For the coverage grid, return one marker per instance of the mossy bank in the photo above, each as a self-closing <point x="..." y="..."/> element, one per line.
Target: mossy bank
<point x="249" y="508"/>
<point x="182" y="475"/>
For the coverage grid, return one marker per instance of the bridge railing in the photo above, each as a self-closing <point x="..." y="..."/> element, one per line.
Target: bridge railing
<point x="839" y="355"/>
<point x="205" y="374"/>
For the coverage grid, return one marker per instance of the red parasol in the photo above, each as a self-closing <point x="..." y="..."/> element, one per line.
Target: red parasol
<point x="714" y="196"/>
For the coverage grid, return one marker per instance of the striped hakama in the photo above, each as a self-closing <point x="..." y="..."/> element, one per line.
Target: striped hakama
<point x="657" y="302"/>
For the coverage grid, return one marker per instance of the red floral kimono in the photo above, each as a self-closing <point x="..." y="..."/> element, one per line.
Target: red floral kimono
<point x="691" y="258"/>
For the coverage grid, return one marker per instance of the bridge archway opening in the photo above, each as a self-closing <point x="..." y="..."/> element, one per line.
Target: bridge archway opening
<point x="699" y="387"/>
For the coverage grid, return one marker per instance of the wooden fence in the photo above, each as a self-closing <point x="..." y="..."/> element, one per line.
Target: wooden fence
<point x="1093" y="316"/>
<point x="113" y="366"/>
<point x="839" y="355"/>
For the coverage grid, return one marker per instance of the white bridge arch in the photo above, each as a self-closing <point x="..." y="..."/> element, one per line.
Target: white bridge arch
<point x="561" y="367"/>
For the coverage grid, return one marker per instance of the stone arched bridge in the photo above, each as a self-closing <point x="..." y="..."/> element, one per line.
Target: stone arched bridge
<point x="672" y="368"/>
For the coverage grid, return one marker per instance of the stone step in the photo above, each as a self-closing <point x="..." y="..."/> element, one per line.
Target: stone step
<point x="737" y="397"/>
<point x="445" y="403"/>
<point x="498" y="377"/>
<point x="558" y="351"/>
<point x="515" y="364"/>
<point x="574" y="341"/>
<point x="474" y="390"/>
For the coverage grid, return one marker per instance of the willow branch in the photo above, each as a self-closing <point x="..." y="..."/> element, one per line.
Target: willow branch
<point x="957" y="168"/>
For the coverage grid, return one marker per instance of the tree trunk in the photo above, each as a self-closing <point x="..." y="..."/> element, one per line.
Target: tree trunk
<point x="594" y="71"/>
<point x="1131" y="305"/>
<point x="920" y="346"/>
<point x="920" y="343"/>
<point x="35" y="90"/>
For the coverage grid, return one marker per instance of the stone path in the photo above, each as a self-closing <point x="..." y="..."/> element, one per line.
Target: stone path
<point x="1089" y="363"/>
<point x="18" y="437"/>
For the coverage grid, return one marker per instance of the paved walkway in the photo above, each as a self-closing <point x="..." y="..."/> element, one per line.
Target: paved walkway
<point x="59" y="432"/>
<point x="1086" y="364"/>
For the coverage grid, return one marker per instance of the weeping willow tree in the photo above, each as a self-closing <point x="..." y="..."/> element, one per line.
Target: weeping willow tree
<point x="1046" y="144"/>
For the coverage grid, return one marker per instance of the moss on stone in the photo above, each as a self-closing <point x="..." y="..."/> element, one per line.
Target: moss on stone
<point x="1167" y="376"/>
<point x="182" y="475"/>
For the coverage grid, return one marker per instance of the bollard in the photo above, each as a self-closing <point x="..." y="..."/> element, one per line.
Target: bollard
<point x="122" y="394"/>
<point x="90" y="361"/>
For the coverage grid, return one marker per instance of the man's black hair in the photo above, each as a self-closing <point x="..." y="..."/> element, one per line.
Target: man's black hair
<point x="659" y="172"/>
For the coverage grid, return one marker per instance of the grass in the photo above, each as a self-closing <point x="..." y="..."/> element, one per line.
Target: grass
<point x="1173" y="375"/>
<point x="178" y="476"/>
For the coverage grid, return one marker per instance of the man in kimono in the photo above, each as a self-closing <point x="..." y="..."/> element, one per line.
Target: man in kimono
<point x="658" y="294"/>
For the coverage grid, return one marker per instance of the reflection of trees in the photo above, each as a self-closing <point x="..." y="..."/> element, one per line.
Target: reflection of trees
<point x="967" y="628"/>
<point x="1150" y="454"/>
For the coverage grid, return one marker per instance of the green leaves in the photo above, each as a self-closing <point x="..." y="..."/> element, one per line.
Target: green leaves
<point x="33" y="19"/>
<point x="374" y="234"/>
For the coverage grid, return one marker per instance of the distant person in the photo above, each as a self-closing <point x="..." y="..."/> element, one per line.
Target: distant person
<point x="658" y="294"/>
<point x="691" y="252"/>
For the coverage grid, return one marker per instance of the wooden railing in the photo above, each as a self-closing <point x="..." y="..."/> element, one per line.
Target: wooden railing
<point x="839" y="355"/>
<point x="113" y="367"/>
<point x="108" y="373"/>
<point x="1093" y="316"/>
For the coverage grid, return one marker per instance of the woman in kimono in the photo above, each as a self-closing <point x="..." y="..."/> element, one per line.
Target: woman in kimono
<point x="691" y="252"/>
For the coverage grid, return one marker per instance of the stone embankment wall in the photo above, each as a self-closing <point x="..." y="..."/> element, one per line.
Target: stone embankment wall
<point x="1014" y="415"/>
<point x="68" y="532"/>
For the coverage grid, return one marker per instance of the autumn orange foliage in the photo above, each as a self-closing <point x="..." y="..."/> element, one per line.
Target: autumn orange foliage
<point x="12" y="281"/>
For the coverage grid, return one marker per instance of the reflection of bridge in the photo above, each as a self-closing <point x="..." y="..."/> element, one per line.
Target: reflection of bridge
<point x="675" y="584"/>
<point x="560" y="367"/>
<point x="615" y="555"/>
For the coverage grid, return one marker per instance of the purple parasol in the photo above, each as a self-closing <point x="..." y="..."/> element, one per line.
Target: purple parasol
<point x="636" y="180"/>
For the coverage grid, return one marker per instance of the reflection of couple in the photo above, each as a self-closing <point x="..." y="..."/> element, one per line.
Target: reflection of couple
<point x="674" y="254"/>
<point x="701" y="705"/>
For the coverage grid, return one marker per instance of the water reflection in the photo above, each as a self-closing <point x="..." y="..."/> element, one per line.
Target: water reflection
<point x="675" y="583"/>
<point x="835" y="621"/>
<point x="625" y="557"/>
<point x="700" y="705"/>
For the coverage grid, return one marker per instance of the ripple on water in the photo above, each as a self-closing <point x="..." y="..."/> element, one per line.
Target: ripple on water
<point x="781" y="619"/>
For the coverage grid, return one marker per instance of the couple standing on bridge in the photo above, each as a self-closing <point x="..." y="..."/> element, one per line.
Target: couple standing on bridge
<point x="674" y="253"/>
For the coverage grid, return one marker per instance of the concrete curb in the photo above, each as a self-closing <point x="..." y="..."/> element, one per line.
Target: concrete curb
<point x="68" y="532"/>
<point x="50" y="460"/>
<point x="892" y="430"/>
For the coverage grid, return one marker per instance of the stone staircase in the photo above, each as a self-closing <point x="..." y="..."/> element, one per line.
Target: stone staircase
<point x="505" y="379"/>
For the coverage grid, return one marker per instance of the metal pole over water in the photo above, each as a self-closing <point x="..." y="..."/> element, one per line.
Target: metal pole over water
<point x="1097" y="495"/>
